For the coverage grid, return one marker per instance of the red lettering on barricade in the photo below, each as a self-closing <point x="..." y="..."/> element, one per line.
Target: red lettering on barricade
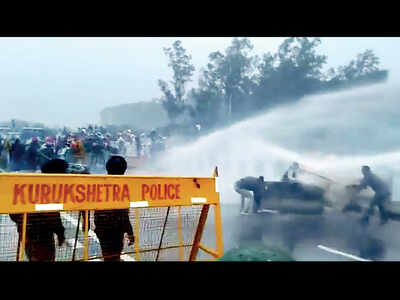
<point x="116" y="190"/>
<point x="98" y="193"/>
<point x="44" y="193"/>
<point x="30" y="193"/>
<point x="159" y="192"/>
<point x="80" y="189"/>
<point x="107" y="190"/>
<point x="53" y="192"/>
<point x="125" y="192"/>
<point x="68" y="191"/>
<point x="37" y="193"/>
<point x="153" y="192"/>
<point x="170" y="186"/>
<point x="19" y="192"/>
<point x="145" y="190"/>
<point x="60" y="193"/>
<point x="48" y="193"/>
<point x="91" y="191"/>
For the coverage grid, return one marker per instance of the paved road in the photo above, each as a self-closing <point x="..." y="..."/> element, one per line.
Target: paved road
<point x="331" y="237"/>
<point x="334" y="237"/>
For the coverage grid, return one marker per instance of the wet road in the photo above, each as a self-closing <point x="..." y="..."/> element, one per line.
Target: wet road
<point x="314" y="238"/>
<point x="331" y="237"/>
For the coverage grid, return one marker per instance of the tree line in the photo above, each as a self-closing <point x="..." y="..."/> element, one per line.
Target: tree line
<point x="236" y="84"/>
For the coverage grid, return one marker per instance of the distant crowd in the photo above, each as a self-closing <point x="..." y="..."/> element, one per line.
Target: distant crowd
<point x="91" y="146"/>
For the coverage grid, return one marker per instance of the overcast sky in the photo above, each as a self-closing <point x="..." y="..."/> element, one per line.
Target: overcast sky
<point x="70" y="80"/>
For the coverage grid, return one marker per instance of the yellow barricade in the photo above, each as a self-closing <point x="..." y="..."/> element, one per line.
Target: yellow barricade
<point x="166" y="213"/>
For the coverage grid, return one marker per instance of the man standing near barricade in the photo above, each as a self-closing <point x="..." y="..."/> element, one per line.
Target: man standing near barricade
<point x="111" y="225"/>
<point x="41" y="227"/>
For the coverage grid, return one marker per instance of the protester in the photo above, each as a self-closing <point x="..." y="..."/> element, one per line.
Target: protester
<point x="111" y="225"/>
<point x="32" y="154"/>
<point x="41" y="227"/>
<point x="381" y="197"/>
<point x="91" y="146"/>
<point x="4" y="154"/>
<point x="254" y="184"/>
<point x="16" y="155"/>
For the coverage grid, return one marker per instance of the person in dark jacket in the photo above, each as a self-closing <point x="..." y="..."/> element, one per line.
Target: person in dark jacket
<point x="254" y="184"/>
<point x="32" y="154"/>
<point x="111" y="225"/>
<point x="97" y="156"/>
<point x="46" y="152"/>
<point x="16" y="155"/>
<point x="41" y="227"/>
<point x="381" y="197"/>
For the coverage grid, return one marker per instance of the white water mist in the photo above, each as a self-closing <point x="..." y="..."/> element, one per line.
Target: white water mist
<point x="331" y="134"/>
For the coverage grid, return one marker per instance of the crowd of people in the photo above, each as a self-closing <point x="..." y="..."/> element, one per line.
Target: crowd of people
<point x="90" y="146"/>
<point x="97" y="150"/>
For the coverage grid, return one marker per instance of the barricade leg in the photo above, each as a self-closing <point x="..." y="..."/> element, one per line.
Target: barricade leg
<point x="22" y="244"/>
<point x="86" y="237"/>
<point x="199" y="232"/>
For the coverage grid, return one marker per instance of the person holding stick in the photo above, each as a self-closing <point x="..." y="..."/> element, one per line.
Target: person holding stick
<point x="381" y="198"/>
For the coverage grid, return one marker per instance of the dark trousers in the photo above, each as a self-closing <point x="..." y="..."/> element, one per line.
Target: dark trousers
<point x="380" y="201"/>
<point x="15" y="165"/>
<point x="111" y="243"/>
<point x="40" y="250"/>
<point x="257" y="203"/>
<point x="32" y="165"/>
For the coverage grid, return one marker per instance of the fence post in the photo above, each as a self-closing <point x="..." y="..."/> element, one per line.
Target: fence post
<point x="86" y="238"/>
<point x="217" y="218"/>
<point x="180" y="234"/>
<point x="137" y="257"/>
<point x="199" y="232"/>
<point x="218" y="229"/>
<point x="22" y="245"/>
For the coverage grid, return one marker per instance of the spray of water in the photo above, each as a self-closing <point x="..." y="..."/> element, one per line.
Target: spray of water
<point x="330" y="134"/>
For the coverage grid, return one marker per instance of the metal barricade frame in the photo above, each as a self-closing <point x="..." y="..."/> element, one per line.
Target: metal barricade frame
<point x="24" y="193"/>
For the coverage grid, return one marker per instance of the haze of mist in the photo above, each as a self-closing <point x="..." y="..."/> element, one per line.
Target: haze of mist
<point x="352" y="128"/>
<point x="68" y="81"/>
<point x="332" y="133"/>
